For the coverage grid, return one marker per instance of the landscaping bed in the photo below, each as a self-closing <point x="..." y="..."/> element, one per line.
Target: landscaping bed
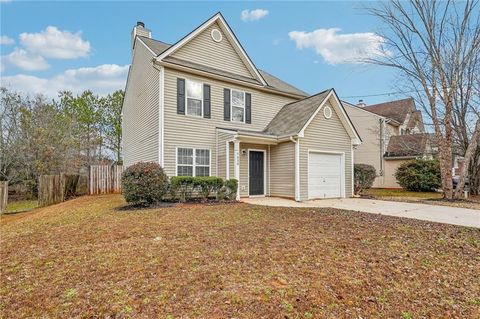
<point x="86" y="258"/>
<point x="432" y="198"/>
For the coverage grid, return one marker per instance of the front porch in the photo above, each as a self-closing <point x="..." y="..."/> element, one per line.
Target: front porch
<point x="262" y="164"/>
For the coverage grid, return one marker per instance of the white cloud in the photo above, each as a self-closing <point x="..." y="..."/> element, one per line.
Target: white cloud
<point x="54" y="43"/>
<point x="102" y="79"/>
<point x="24" y="60"/>
<point x="338" y="48"/>
<point x="4" y="40"/>
<point x="253" y="15"/>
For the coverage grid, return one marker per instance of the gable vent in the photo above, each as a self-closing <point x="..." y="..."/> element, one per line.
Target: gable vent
<point x="216" y="35"/>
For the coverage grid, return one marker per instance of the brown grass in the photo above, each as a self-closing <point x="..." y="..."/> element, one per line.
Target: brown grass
<point x="85" y="258"/>
<point x="431" y="198"/>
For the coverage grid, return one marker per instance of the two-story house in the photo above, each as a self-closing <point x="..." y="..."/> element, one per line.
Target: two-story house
<point x="201" y="107"/>
<point x="392" y="133"/>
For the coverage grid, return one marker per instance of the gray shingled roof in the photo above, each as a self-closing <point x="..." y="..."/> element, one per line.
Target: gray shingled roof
<point x="293" y="116"/>
<point x="208" y="69"/>
<point x="158" y="47"/>
<point x="278" y="84"/>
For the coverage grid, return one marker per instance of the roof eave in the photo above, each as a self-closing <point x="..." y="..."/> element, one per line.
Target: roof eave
<point x="228" y="79"/>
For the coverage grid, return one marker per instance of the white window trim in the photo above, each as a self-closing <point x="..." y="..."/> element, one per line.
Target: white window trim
<point x="244" y="105"/>
<point x="194" y="165"/>
<point x="186" y="98"/>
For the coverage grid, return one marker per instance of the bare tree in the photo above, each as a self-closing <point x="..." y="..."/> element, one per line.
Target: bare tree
<point x="11" y="156"/>
<point x="432" y="44"/>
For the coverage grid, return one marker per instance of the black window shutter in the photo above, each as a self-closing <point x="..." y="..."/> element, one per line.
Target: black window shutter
<point x="248" y="108"/>
<point x="180" y="96"/>
<point x="206" y="101"/>
<point x="226" y="104"/>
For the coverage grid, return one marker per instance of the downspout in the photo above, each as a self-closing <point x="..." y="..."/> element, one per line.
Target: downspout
<point x="382" y="144"/>
<point x="297" y="167"/>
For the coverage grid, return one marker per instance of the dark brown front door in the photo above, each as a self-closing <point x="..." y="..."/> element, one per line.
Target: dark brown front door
<point x="256" y="173"/>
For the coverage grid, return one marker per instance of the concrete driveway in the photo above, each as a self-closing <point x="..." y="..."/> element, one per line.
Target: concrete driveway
<point x="433" y="213"/>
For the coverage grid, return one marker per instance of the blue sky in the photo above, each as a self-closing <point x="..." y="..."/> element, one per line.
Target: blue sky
<point x="96" y="42"/>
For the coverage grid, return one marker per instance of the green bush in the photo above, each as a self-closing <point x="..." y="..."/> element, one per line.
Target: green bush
<point x="364" y="176"/>
<point x="207" y="185"/>
<point x="419" y="175"/>
<point x="144" y="183"/>
<point x="184" y="188"/>
<point x="231" y="186"/>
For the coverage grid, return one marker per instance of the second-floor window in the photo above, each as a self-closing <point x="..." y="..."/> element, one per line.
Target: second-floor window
<point x="194" y="98"/>
<point x="238" y="106"/>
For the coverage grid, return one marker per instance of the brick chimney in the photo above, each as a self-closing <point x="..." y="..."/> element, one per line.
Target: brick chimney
<point x="140" y="30"/>
<point x="361" y="103"/>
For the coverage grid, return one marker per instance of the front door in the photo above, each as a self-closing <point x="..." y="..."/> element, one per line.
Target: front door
<point x="256" y="173"/>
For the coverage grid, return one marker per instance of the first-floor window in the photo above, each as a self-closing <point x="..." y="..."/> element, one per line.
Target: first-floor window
<point x="193" y="162"/>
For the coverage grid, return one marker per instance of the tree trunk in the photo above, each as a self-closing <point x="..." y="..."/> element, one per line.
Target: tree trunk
<point x="472" y="146"/>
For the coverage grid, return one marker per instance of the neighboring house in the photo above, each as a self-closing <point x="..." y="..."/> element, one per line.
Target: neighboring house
<point x="200" y="107"/>
<point x="392" y="133"/>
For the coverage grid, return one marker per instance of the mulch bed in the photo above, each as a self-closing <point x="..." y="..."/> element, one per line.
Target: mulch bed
<point x="85" y="258"/>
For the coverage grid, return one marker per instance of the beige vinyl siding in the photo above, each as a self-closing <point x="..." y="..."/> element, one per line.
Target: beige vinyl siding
<point x="325" y="135"/>
<point x="189" y="131"/>
<point x="369" y="152"/>
<point x="390" y="169"/>
<point x="220" y="55"/>
<point x="282" y="169"/>
<point x="368" y="127"/>
<point x="221" y="154"/>
<point x="140" y="133"/>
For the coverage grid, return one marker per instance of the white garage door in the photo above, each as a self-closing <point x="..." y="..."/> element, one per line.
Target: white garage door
<point x="324" y="175"/>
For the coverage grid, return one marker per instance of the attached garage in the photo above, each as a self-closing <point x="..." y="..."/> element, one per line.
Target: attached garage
<point x="326" y="178"/>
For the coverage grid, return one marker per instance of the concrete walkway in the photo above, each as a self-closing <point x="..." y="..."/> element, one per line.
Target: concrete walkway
<point x="433" y="213"/>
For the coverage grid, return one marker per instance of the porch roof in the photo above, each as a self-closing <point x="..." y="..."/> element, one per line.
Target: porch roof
<point x="254" y="136"/>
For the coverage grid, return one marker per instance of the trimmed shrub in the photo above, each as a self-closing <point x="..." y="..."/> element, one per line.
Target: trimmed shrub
<point x="207" y="185"/>
<point x="419" y="175"/>
<point x="182" y="187"/>
<point x="364" y="175"/>
<point x="231" y="187"/>
<point x="144" y="183"/>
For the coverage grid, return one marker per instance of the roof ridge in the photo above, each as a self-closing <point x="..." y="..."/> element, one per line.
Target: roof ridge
<point x="144" y="37"/>
<point x="405" y="99"/>
<point x="307" y="97"/>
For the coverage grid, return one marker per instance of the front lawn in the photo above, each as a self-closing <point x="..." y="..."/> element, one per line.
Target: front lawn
<point x="88" y="258"/>
<point x="432" y="198"/>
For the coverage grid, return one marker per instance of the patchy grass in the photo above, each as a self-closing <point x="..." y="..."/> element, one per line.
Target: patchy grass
<point x="21" y="206"/>
<point x="86" y="258"/>
<point x="433" y="198"/>
<point x="382" y="192"/>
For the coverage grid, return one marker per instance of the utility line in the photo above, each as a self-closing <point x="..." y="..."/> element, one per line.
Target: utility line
<point x="380" y="94"/>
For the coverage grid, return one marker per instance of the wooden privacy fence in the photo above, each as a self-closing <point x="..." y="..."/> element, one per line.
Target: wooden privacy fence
<point x="51" y="189"/>
<point x="3" y="196"/>
<point x="105" y="179"/>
